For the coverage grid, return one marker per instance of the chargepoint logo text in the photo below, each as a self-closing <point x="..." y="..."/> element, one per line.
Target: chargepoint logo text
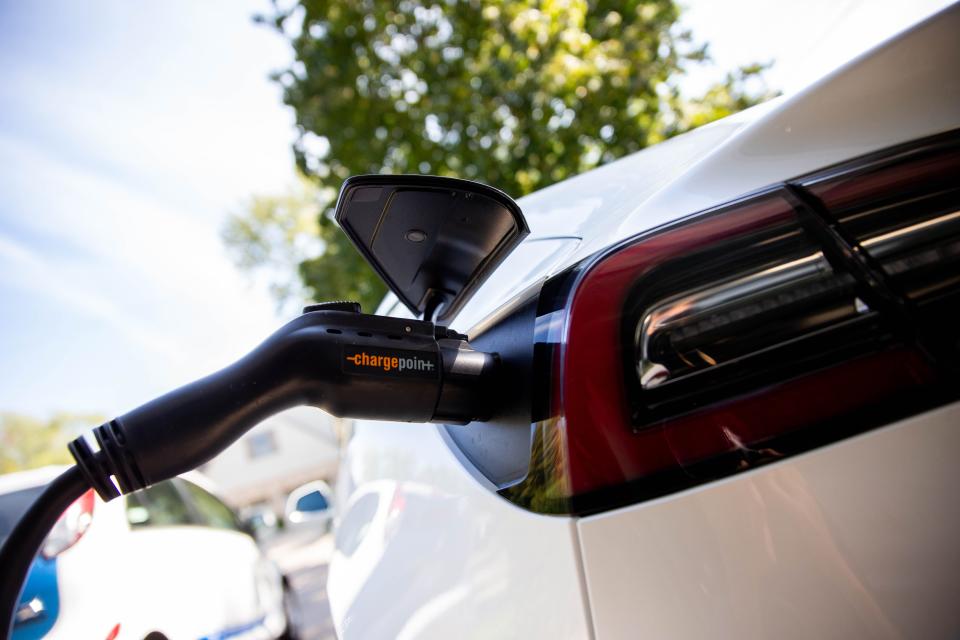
<point x="391" y="362"/>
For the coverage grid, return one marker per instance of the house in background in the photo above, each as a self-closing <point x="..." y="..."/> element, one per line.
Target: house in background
<point x="277" y="456"/>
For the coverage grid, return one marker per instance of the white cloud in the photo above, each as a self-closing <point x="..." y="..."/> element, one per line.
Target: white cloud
<point x="22" y="268"/>
<point x="158" y="276"/>
<point x="127" y="134"/>
<point x="806" y="40"/>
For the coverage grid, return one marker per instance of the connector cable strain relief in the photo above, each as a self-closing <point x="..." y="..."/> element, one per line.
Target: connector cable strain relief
<point x="112" y="461"/>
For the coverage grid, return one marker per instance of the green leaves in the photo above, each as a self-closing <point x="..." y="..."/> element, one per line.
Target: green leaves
<point x="26" y="442"/>
<point x="517" y="94"/>
<point x="291" y="238"/>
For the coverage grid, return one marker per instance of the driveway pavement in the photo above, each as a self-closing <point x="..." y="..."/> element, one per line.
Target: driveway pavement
<point x="304" y="562"/>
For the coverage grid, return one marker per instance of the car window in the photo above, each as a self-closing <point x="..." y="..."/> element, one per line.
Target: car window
<point x="12" y="506"/>
<point x="158" y="506"/>
<point x="313" y="501"/>
<point x="211" y="510"/>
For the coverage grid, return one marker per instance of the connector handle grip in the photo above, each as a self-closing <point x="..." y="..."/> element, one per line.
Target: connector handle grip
<point x="345" y="363"/>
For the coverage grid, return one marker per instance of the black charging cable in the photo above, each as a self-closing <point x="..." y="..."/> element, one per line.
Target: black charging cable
<point x="24" y="541"/>
<point x="332" y="357"/>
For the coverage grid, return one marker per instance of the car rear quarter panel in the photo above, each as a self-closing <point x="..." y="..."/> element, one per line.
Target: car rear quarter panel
<point x="861" y="534"/>
<point x="858" y="540"/>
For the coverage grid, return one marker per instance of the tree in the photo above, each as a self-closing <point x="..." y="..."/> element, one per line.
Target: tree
<point x="27" y="442"/>
<point x="517" y="94"/>
<point x="284" y="234"/>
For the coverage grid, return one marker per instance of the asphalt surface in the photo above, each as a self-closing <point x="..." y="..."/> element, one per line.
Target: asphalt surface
<point x="304" y="561"/>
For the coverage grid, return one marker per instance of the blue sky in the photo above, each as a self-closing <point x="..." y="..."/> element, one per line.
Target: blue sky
<point x="128" y="131"/>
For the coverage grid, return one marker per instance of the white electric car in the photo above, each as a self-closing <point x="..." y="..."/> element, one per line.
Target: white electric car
<point x="167" y="562"/>
<point x="730" y="384"/>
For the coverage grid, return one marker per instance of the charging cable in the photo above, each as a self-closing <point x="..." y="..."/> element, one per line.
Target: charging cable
<point x="332" y="357"/>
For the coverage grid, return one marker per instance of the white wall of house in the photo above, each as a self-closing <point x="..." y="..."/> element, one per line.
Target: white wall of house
<point x="276" y="456"/>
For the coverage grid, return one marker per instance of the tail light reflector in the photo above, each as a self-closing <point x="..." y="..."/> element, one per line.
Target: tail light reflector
<point x="904" y="210"/>
<point x="732" y="338"/>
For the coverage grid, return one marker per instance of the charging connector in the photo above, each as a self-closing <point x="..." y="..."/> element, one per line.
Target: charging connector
<point x="332" y="357"/>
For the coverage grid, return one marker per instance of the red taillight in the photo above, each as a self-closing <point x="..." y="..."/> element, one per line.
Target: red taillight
<point x="71" y="526"/>
<point x="904" y="211"/>
<point x="732" y="338"/>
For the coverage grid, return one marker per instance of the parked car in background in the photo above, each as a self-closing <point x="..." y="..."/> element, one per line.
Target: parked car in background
<point x="729" y="392"/>
<point x="309" y="508"/>
<point x="171" y="560"/>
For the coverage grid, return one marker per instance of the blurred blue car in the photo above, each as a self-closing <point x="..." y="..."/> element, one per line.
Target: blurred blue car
<point x="207" y="576"/>
<point x="40" y="602"/>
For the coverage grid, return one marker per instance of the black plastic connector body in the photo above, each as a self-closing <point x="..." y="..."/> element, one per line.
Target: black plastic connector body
<point x="346" y="363"/>
<point x="466" y="394"/>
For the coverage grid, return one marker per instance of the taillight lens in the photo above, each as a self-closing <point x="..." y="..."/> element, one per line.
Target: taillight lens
<point x="732" y="338"/>
<point x="70" y="527"/>
<point x="735" y="301"/>
<point x="904" y="211"/>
